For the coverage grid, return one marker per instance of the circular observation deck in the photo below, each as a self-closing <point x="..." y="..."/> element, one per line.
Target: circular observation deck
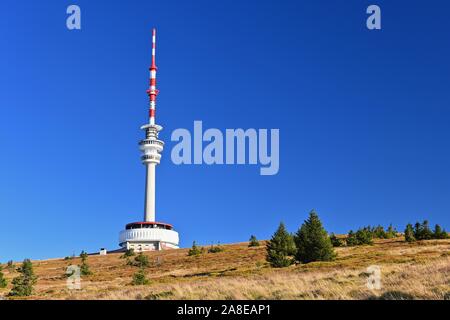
<point x="148" y="236"/>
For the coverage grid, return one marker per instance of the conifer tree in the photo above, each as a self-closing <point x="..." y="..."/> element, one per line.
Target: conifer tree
<point x="312" y="241"/>
<point x="439" y="233"/>
<point x="10" y="265"/>
<point x="422" y="231"/>
<point x="391" y="232"/>
<point x="3" y="281"/>
<point x="351" y="239"/>
<point x="23" y="284"/>
<point x="128" y="253"/>
<point x="409" y="233"/>
<point x="427" y="234"/>
<point x="195" y="250"/>
<point x="379" y="232"/>
<point x="253" y="242"/>
<point x="84" y="268"/>
<point x="139" y="278"/>
<point x="83" y="255"/>
<point x="418" y="231"/>
<point x="335" y="241"/>
<point x="364" y="236"/>
<point x="141" y="260"/>
<point x="280" y="248"/>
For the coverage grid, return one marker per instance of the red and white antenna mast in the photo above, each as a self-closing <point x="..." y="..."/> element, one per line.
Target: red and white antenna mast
<point x="152" y="91"/>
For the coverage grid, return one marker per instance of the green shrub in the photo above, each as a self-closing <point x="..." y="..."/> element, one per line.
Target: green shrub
<point x="10" y="266"/>
<point x="379" y="233"/>
<point x="215" y="249"/>
<point x="280" y="248"/>
<point x="128" y="253"/>
<point x="391" y="232"/>
<point x="312" y="241"/>
<point x="84" y="269"/>
<point x="23" y="284"/>
<point x="364" y="236"/>
<point x="335" y="241"/>
<point x="139" y="278"/>
<point x="83" y="255"/>
<point x="361" y="237"/>
<point x="141" y="261"/>
<point x="351" y="239"/>
<point x="253" y="242"/>
<point x="195" y="250"/>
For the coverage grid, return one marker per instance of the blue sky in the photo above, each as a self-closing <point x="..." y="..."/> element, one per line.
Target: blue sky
<point x="363" y="117"/>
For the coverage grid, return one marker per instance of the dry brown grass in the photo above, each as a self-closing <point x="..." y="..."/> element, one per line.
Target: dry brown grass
<point x="420" y="270"/>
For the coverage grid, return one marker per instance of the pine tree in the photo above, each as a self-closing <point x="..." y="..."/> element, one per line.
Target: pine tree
<point x="10" y="265"/>
<point x="141" y="261"/>
<point x="363" y="236"/>
<point x="253" y="242"/>
<point x="351" y="239"/>
<point x="83" y="255"/>
<point x="84" y="268"/>
<point x="439" y="233"/>
<point x="3" y="281"/>
<point x="23" y="284"/>
<point x="379" y="232"/>
<point x="418" y="231"/>
<point x="280" y="247"/>
<point x="128" y="253"/>
<point x="312" y="241"/>
<point x="409" y="233"/>
<point x="427" y="234"/>
<point x="391" y="232"/>
<point x="195" y="250"/>
<point x="139" y="278"/>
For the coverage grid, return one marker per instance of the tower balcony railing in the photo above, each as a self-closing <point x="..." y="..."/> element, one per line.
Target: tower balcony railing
<point x="149" y="145"/>
<point x="149" y="235"/>
<point x="147" y="158"/>
<point x="151" y="142"/>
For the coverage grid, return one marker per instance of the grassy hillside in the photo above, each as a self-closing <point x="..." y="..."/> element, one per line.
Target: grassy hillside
<point x="419" y="270"/>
